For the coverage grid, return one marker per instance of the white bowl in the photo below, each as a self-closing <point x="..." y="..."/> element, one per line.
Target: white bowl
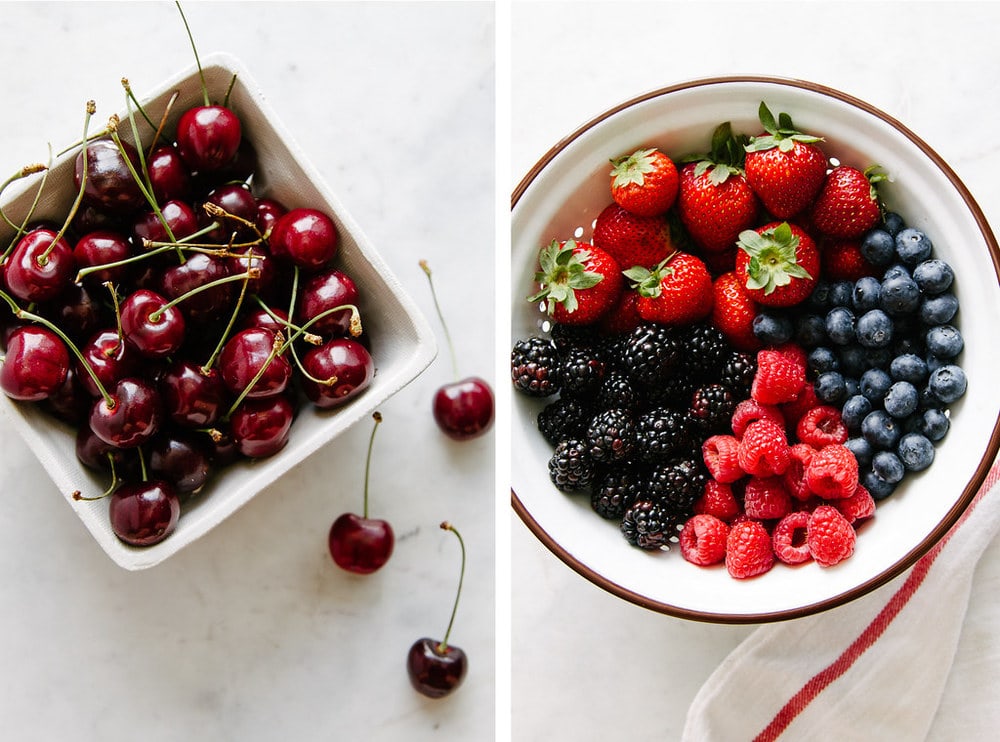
<point x="561" y="196"/>
<point x="403" y="343"/>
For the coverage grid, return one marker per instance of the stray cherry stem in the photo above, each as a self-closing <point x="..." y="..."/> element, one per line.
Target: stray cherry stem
<point x="204" y="87"/>
<point x="440" y="314"/>
<point x="443" y="645"/>
<point x="377" y="417"/>
<point x="44" y="257"/>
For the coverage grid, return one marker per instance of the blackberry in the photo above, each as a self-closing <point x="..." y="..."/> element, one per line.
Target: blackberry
<point x="617" y="391"/>
<point x="611" y="436"/>
<point x="661" y="434"/>
<point x="711" y="408"/>
<point x="676" y="485"/>
<point x="676" y="389"/>
<point x="650" y="353"/>
<point x="569" y="337"/>
<point x="534" y="367"/>
<point x="582" y="373"/>
<point x="648" y="525"/>
<point x="571" y="468"/>
<point x="705" y="347"/>
<point x="614" y="492"/>
<point x="737" y="372"/>
<point x="562" y="419"/>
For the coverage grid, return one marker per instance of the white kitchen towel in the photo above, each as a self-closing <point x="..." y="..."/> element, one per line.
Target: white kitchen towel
<point x="874" y="669"/>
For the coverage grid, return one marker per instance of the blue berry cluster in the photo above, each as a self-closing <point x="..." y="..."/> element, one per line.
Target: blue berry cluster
<point x="885" y="351"/>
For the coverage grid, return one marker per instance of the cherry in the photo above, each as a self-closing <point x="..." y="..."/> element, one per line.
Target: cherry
<point x="192" y="396"/>
<point x="361" y="544"/>
<point x="40" y="266"/>
<point x="435" y="668"/>
<point x="109" y="358"/>
<point x="208" y="137"/>
<point x="168" y="174"/>
<point x="36" y="364"/>
<point x="75" y="311"/>
<point x="144" y="513"/>
<point x="178" y="458"/>
<point x="260" y="426"/>
<point x="250" y="364"/>
<point x="197" y="270"/>
<point x="264" y="284"/>
<point x="153" y="328"/>
<point x="100" y="247"/>
<point x="306" y="237"/>
<point x="237" y="200"/>
<point x="268" y="212"/>
<point x="463" y="409"/>
<point x="109" y="183"/>
<point x="336" y="371"/>
<point x="273" y="319"/>
<point x="325" y="291"/>
<point x="69" y="402"/>
<point x="178" y="216"/>
<point x="129" y="416"/>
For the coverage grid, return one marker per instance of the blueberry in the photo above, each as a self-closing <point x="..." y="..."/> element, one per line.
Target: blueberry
<point x="934" y="424"/>
<point x="878" y="247"/>
<point x="934" y="363"/>
<point x="853" y="361"/>
<point x="822" y="359"/>
<point x="855" y="409"/>
<point x="915" y="451"/>
<point x="933" y="276"/>
<point x="888" y="466"/>
<point x="875" y="384"/>
<point x="881" y="430"/>
<point x="909" y="367"/>
<point x="901" y="400"/>
<point x="866" y="295"/>
<point x="810" y="330"/>
<point x="772" y="328"/>
<point x="861" y="449"/>
<point x="900" y="295"/>
<point x="829" y="387"/>
<point x="879" y="357"/>
<point x="938" y="310"/>
<point x="877" y="487"/>
<point x="851" y="386"/>
<point x="944" y="341"/>
<point x="913" y="246"/>
<point x="819" y="298"/>
<point x="892" y="223"/>
<point x="895" y="271"/>
<point x="840" y="325"/>
<point x="874" y="329"/>
<point x="948" y="383"/>
<point x="841" y="294"/>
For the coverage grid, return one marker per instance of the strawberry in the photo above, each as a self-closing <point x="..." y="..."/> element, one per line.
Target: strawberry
<point x="578" y="282"/>
<point x="714" y="200"/>
<point x="644" y="182"/>
<point x="847" y="205"/>
<point x="778" y="264"/>
<point x="624" y="316"/>
<point x="632" y="239"/>
<point x="841" y="260"/>
<point x="677" y="291"/>
<point x="784" y="167"/>
<point x="733" y="312"/>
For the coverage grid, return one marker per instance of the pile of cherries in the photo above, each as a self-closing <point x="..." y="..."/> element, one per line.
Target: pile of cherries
<point x="175" y="317"/>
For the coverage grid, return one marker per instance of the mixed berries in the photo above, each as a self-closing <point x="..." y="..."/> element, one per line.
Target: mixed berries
<point x="750" y="352"/>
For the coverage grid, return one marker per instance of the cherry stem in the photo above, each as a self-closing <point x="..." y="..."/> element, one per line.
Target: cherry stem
<point x="118" y="314"/>
<point x="44" y="257"/>
<point x="218" y="251"/>
<point x="229" y="91"/>
<point x="451" y="348"/>
<point x="111" y="487"/>
<point x="307" y="336"/>
<point x="142" y="464"/>
<point x="377" y="417"/>
<point x="216" y="211"/>
<point x="207" y="367"/>
<point x="443" y="645"/>
<point x="156" y="315"/>
<point x="138" y="105"/>
<point x="204" y="87"/>
<point x="24" y="172"/>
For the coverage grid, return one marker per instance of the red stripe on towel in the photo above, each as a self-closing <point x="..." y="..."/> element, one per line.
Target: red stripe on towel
<point x="818" y="682"/>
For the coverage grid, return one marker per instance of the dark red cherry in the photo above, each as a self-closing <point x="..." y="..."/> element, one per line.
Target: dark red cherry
<point x="260" y="426"/>
<point x="99" y="248"/>
<point x="249" y="353"/>
<point x="35" y="365"/>
<point x="168" y="174"/>
<point x="153" y="330"/>
<point x="92" y="218"/>
<point x="258" y="258"/>
<point x="306" y="237"/>
<point x="109" y="357"/>
<point x="109" y="182"/>
<point x="197" y="270"/>
<point x="435" y="671"/>
<point x="33" y="272"/>
<point x="144" y="513"/>
<point x="325" y="291"/>
<point x="235" y="199"/>
<point x="192" y="397"/>
<point x="208" y="137"/>
<point x="360" y="545"/>
<point x="178" y="215"/>
<point x="133" y="417"/>
<point x="347" y="362"/>
<point x="260" y="318"/>
<point x="69" y="402"/>
<point x="180" y="459"/>
<point x="268" y="212"/>
<point x="75" y="311"/>
<point x="464" y="409"/>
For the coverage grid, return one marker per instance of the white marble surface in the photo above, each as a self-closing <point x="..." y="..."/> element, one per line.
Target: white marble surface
<point x="252" y="633"/>
<point x="932" y="66"/>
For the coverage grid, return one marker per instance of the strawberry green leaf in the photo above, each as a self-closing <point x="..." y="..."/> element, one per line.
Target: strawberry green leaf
<point x="631" y="170"/>
<point x="562" y="273"/>
<point x="773" y="261"/>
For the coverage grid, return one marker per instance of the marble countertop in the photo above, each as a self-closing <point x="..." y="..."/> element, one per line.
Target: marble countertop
<point x="924" y="63"/>
<point x="252" y="633"/>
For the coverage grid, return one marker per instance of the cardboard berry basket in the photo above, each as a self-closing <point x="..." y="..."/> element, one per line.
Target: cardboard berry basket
<point x="561" y="197"/>
<point x="402" y="343"/>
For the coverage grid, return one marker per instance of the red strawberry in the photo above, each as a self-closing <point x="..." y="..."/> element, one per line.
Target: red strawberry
<point x="778" y="264"/>
<point x="579" y="283"/>
<point x="841" y="260"/>
<point x="733" y="312"/>
<point x="714" y="201"/>
<point x="847" y="205"/>
<point x="624" y="316"/>
<point x="784" y="167"/>
<point x="644" y="182"/>
<point x="632" y="239"/>
<point x="678" y="291"/>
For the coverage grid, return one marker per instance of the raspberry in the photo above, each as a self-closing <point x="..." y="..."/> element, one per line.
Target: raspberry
<point x="720" y="453"/>
<point x="766" y="498"/>
<point x="830" y="537"/>
<point x="832" y="472"/>
<point x="763" y="449"/>
<point x="718" y="500"/>
<point x="795" y="475"/>
<point x="821" y="426"/>
<point x="794" y="353"/>
<point x="749" y="411"/>
<point x="790" y="538"/>
<point x="748" y="549"/>
<point x="857" y="507"/>
<point x="794" y="410"/>
<point x="780" y="377"/>
<point x="703" y="540"/>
